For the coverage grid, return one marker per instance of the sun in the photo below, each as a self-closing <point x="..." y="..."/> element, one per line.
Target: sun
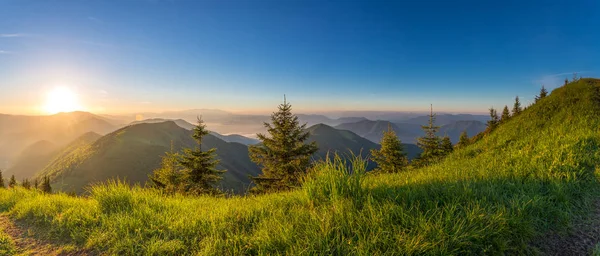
<point x="61" y="99"/>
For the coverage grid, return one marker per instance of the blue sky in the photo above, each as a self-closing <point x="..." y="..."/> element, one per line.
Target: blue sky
<point x="132" y="56"/>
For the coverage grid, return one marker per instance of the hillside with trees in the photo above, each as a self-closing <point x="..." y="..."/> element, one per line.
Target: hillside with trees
<point x="133" y="152"/>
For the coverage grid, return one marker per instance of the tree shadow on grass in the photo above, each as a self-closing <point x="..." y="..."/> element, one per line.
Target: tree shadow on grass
<point x="491" y="215"/>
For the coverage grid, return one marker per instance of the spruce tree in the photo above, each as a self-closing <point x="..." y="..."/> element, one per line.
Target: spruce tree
<point x="505" y="114"/>
<point x="45" y="187"/>
<point x="390" y="158"/>
<point x="430" y="143"/>
<point x="2" y="180"/>
<point x="543" y="94"/>
<point x="283" y="155"/>
<point x="199" y="167"/>
<point x="26" y="184"/>
<point x="36" y="183"/>
<point x="517" y="107"/>
<point x="446" y="145"/>
<point x="493" y="122"/>
<point x="169" y="176"/>
<point x="463" y="140"/>
<point x="12" y="182"/>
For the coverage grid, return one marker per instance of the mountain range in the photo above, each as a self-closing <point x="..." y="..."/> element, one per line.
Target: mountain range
<point x="19" y="132"/>
<point x="248" y="125"/>
<point x="77" y="149"/>
<point x="331" y="140"/>
<point x="188" y="126"/>
<point x="133" y="152"/>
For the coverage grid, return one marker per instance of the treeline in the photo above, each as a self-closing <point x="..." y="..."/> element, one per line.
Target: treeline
<point x="507" y="114"/>
<point x="44" y="186"/>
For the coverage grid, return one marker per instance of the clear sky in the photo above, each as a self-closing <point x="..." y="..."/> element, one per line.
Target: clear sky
<point x="131" y="56"/>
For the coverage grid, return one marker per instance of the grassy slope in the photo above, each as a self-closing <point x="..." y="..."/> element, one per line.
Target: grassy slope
<point x="532" y="175"/>
<point x="69" y="158"/>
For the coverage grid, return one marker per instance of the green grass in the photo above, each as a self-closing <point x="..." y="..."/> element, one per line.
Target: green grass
<point x="534" y="174"/>
<point x="7" y="245"/>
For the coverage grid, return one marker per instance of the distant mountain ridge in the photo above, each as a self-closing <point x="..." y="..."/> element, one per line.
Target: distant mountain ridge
<point x="332" y="140"/>
<point x="17" y="131"/>
<point x="454" y="130"/>
<point x="188" y="126"/>
<point x="224" y="122"/>
<point x="33" y="159"/>
<point x="373" y="130"/>
<point x="445" y="119"/>
<point x="408" y="133"/>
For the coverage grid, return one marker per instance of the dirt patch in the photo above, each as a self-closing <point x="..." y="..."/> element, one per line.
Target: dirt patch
<point x="28" y="244"/>
<point x="582" y="239"/>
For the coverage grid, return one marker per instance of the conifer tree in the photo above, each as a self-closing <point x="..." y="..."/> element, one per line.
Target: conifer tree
<point x="493" y="122"/>
<point x="26" y="184"/>
<point x="463" y="140"/>
<point x="430" y="143"/>
<point x="505" y="114"/>
<point x="575" y="77"/>
<point x="12" y="182"/>
<point x="566" y="81"/>
<point x="517" y="107"/>
<point x="2" y="185"/>
<point x="36" y="183"/>
<point x="283" y="155"/>
<point x="199" y="167"/>
<point x="543" y="94"/>
<point x="46" y="188"/>
<point x="390" y="158"/>
<point x="169" y="176"/>
<point x="446" y="145"/>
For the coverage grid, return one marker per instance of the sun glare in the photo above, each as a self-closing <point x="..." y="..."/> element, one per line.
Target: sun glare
<point x="61" y="99"/>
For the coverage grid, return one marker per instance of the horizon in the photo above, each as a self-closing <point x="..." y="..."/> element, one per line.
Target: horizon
<point x="329" y="114"/>
<point x="327" y="57"/>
